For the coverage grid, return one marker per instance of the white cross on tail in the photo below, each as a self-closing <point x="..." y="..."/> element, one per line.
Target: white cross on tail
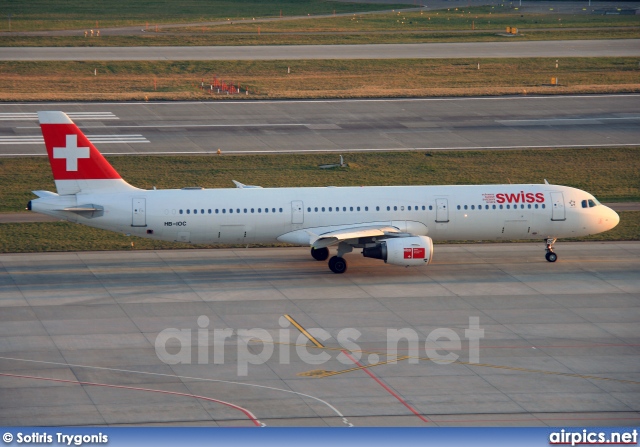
<point x="71" y="152"/>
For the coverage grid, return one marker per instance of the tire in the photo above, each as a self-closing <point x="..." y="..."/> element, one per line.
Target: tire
<point x="337" y="265"/>
<point x="320" y="254"/>
<point x="551" y="256"/>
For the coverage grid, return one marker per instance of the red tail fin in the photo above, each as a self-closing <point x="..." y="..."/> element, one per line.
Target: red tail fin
<point x="75" y="162"/>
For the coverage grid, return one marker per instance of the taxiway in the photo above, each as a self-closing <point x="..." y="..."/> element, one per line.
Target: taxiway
<point x="560" y="345"/>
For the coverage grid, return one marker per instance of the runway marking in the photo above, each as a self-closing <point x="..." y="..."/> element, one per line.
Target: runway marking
<point x="304" y="331"/>
<point x="246" y="412"/>
<point x="29" y="116"/>
<point x="130" y="371"/>
<point x="560" y="120"/>
<point x="169" y="126"/>
<point x="102" y="139"/>
<point x="383" y="385"/>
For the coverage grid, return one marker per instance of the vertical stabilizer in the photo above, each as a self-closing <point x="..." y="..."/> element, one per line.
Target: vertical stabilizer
<point x="76" y="164"/>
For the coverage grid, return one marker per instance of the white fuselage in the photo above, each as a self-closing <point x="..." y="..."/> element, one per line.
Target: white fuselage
<point x="257" y="215"/>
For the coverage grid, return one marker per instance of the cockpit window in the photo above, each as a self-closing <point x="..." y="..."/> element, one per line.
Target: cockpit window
<point x="584" y="204"/>
<point x="591" y="203"/>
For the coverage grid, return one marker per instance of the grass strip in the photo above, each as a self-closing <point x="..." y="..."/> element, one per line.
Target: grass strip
<point x="38" y="15"/>
<point x="228" y="39"/>
<point x="167" y="80"/>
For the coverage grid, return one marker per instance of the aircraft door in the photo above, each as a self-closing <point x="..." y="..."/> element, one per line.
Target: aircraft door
<point x="139" y="211"/>
<point x="442" y="210"/>
<point x="557" y="203"/>
<point x="297" y="212"/>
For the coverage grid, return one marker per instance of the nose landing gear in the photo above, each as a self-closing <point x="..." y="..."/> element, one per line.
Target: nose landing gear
<point x="551" y="256"/>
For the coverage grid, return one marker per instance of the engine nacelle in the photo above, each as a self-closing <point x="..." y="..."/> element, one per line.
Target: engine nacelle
<point x="416" y="250"/>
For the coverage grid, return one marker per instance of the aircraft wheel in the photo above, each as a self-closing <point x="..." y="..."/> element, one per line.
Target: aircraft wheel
<point x="551" y="256"/>
<point x="320" y="254"/>
<point x="337" y="265"/>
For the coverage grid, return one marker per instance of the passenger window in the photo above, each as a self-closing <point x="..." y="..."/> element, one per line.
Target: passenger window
<point x="409" y="208"/>
<point x="209" y="211"/>
<point x="473" y="207"/>
<point x="323" y="209"/>
<point x="316" y="209"/>
<point x="201" y="211"/>
<point x="252" y="210"/>
<point x="494" y="207"/>
<point x="466" y="207"/>
<point x="266" y="210"/>
<point x="535" y="206"/>
<point x="529" y="206"/>
<point x="280" y="209"/>
<point x="395" y="208"/>
<point x="344" y="208"/>
<point x="458" y="206"/>
<point x="358" y="208"/>
<point x="377" y="208"/>
<point x="309" y="209"/>
<point x="366" y="208"/>
<point x="543" y="206"/>
<point x="388" y="208"/>
<point x="522" y="206"/>
<point x="350" y="208"/>
<point x="330" y="208"/>
<point x="238" y="210"/>
<point x="508" y="207"/>
<point x="591" y="203"/>
<point x="180" y="211"/>
<point x="188" y="211"/>
<point x="486" y="207"/>
<point x="217" y="211"/>
<point x="500" y="206"/>
<point x="195" y="211"/>
<point x="230" y="210"/>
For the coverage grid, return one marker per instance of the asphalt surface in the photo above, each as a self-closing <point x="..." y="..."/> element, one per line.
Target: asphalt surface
<point x="340" y="126"/>
<point x="478" y="50"/>
<point x="560" y="344"/>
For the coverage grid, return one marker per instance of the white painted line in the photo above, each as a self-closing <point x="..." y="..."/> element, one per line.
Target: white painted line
<point x="102" y="139"/>
<point x="29" y="116"/>
<point x="396" y="149"/>
<point x="304" y="101"/>
<point x="170" y="126"/>
<point x="567" y="120"/>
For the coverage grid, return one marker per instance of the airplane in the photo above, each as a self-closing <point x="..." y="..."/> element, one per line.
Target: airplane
<point x="396" y="224"/>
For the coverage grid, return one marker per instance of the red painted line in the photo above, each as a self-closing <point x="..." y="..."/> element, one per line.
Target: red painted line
<point x="383" y="385"/>
<point x="246" y="412"/>
<point x="439" y="421"/>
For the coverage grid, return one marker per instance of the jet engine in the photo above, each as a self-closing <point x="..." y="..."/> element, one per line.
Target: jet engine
<point x="415" y="250"/>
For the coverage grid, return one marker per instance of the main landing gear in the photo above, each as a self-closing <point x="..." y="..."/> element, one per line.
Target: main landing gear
<point x="337" y="264"/>
<point x="551" y="256"/>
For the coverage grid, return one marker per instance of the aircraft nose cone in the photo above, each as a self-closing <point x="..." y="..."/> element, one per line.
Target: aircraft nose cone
<point x="613" y="218"/>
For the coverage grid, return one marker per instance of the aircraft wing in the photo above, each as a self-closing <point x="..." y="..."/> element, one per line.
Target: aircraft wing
<point x="337" y="236"/>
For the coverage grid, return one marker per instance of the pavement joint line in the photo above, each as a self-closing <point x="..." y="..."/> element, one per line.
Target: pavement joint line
<point x="246" y="412"/>
<point x="304" y="331"/>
